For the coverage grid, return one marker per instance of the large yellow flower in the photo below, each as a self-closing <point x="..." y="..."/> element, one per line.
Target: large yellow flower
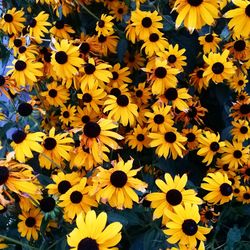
<point x="12" y="21"/>
<point x="117" y="185"/>
<point x="196" y="13"/>
<point x="25" y="71"/>
<point x="183" y="227"/>
<point x="91" y="232"/>
<point x="240" y="21"/>
<point x="219" y="187"/>
<point x="219" y="67"/>
<point x="172" y="194"/>
<point x="169" y="143"/>
<point x="65" y="60"/>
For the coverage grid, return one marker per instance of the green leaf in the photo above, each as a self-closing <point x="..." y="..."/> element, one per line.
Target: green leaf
<point x="233" y="236"/>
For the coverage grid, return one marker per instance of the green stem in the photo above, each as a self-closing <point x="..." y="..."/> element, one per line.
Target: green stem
<point x="54" y="244"/>
<point x="17" y="242"/>
<point x="53" y="162"/>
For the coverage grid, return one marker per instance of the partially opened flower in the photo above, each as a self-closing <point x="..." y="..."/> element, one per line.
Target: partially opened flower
<point x="209" y="42"/>
<point x="105" y="25"/>
<point x="92" y="233"/>
<point x="61" y="30"/>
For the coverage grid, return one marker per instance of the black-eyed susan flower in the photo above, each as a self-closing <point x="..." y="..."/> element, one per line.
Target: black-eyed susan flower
<point x="239" y="49"/>
<point x="56" y="95"/>
<point x="93" y="98"/>
<point x="121" y="109"/>
<point x="241" y="109"/>
<point x="142" y="93"/>
<point x="210" y="146"/>
<point x="168" y="144"/>
<point x="243" y="195"/>
<point x="17" y="177"/>
<point x="12" y="21"/>
<point x="108" y="44"/>
<point x="219" y="67"/>
<point x="234" y="154"/>
<point x="130" y="32"/>
<point x="105" y="25"/>
<point x="77" y="200"/>
<point x="240" y="18"/>
<point x="176" y="97"/>
<point x="67" y="114"/>
<point x="160" y="118"/>
<point x="61" y="30"/>
<point x="119" y="9"/>
<point x="245" y="172"/>
<point x="174" y="56"/>
<point x="209" y="42"/>
<point x="96" y="134"/>
<point x="117" y="185"/>
<point x="95" y="73"/>
<point x="192" y="135"/>
<point x="173" y="193"/>
<point x="88" y="45"/>
<point x="25" y="142"/>
<point x="138" y="138"/>
<point x="30" y="51"/>
<point x="38" y="26"/>
<point x="25" y="71"/>
<point x="134" y="60"/>
<point x="154" y="43"/>
<point x="198" y="80"/>
<point x="238" y="82"/>
<point x="161" y="75"/>
<point x="183" y="228"/>
<point x="65" y="59"/>
<point x="55" y="148"/>
<point x="208" y="215"/>
<point x="91" y="232"/>
<point x="63" y="182"/>
<point x="120" y="75"/>
<point x="191" y="13"/>
<point x="219" y="188"/>
<point x="145" y="23"/>
<point x="83" y="116"/>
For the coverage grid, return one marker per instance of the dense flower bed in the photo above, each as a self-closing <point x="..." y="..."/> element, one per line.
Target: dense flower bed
<point x="125" y="124"/>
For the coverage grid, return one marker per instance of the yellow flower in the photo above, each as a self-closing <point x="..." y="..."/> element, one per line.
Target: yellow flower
<point x="91" y="232"/>
<point x="105" y="25"/>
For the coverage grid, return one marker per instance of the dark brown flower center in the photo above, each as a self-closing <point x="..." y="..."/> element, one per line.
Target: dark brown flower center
<point x="190" y="137"/>
<point x="85" y="118"/>
<point x="61" y="57"/>
<point x="226" y="189"/>
<point x="122" y="100"/>
<point x="120" y="11"/>
<point x="18" y="136"/>
<point x="25" y="109"/>
<point x="18" y="42"/>
<point x="63" y="186"/>
<point x="115" y="75"/>
<point x="171" y="94"/>
<point x="33" y="23"/>
<point x="170" y="137"/>
<point x="139" y="93"/>
<point x="245" y="109"/>
<point x="22" y="49"/>
<point x="66" y="114"/>
<point x="2" y="80"/>
<point x="160" y="72"/>
<point x="76" y="197"/>
<point x="146" y="22"/>
<point x="92" y="129"/>
<point x="239" y="45"/>
<point x="20" y="65"/>
<point x="89" y="68"/>
<point x="85" y="48"/>
<point x="192" y="112"/>
<point x="52" y="93"/>
<point x="237" y="154"/>
<point x="118" y="179"/>
<point x="102" y="38"/>
<point x="50" y="143"/>
<point x="159" y="119"/>
<point x="30" y="222"/>
<point x="59" y="24"/>
<point x="209" y="38"/>
<point x="247" y="10"/>
<point x="240" y="82"/>
<point x="87" y="98"/>
<point x="172" y="59"/>
<point x="214" y="146"/>
<point x="4" y="174"/>
<point x="209" y="215"/>
<point x="246" y="196"/>
<point x="195" y="3"/>
<point x="87" y="244"/>
<point x="8" y="18"/>
<point x="247" y="172"/>
<point x="154" y="37"/>
<point x="189" y="227"/>
<point x="174" y="197"/>
<point x="47" y="204"/>
<point x="218" y="68"/>
<point x="115" y="91"/>
<point x="199" y="73"/>
<point x="140" y="137"/>
<point x="101" y="24"/>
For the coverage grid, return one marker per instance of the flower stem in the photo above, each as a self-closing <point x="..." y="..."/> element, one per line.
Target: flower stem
<point x="17" y="242"/>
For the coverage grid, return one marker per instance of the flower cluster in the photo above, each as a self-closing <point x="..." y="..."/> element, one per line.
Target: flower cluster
<point x="112" y="106"/>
